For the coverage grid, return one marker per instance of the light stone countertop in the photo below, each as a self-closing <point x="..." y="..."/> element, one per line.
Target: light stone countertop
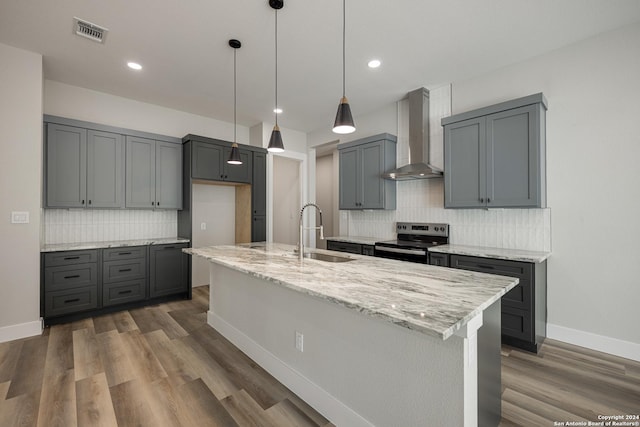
<point x="497" y="253"/>
<point x="433" y="300"/>
<point x="111" y="244"/>
<point x="356" y="239"/>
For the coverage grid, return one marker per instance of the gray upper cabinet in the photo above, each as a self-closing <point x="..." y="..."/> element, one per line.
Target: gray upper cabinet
<point x="362" y="164"/>
<point x="495" y="156"/>
<point x="84" y="168"/>
<point x="154" y="174"/>
<point x="210" y="163"/>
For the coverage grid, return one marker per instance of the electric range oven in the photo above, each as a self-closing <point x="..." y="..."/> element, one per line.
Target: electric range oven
<point x="413" y="241"/>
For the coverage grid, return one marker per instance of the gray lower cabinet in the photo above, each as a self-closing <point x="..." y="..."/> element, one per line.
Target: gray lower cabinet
<point x="495" y="156"/>
<point x="259" y="198"/>
<point x="78" y="284"/>
<point x="259" y="228"/>
<point x="84" y="168"/>
<point x="441" y="260"/>
<point x="210" y="163"/>
<point x="168" y="270"/>
<point x="361" y="165"/>
<point x="524" y="308"/>
<point x="153" y="174"/>
<point x="70" y="282"/>
<point x="350" y="247"/>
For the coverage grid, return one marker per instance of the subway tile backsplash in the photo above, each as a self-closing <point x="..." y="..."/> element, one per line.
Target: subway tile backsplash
<point x="422" y="201"/>
<point x="99" y="225"/>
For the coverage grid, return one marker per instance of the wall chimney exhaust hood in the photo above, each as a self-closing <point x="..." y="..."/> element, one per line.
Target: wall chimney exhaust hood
<point x="418" y="166"/>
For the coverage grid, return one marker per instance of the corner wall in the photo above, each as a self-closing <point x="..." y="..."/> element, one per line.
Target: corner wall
<point x="20" y="190"/>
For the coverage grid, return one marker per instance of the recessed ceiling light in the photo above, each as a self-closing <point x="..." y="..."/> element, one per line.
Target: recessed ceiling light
<point x="134" y="65"/>
<point x="374" y="63"/>
<point x="277" y="110"/>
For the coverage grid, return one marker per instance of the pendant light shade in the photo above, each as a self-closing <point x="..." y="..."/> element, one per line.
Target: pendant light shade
<point x="275" y="142"/>
<point x="344" y="120"/>
<point x="234" y="157"/>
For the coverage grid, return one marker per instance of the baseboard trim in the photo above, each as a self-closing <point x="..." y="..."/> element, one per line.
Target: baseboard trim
<point x="334" y="410"/>
<point x="626" y="349"/>
<point x="21" y="330"/>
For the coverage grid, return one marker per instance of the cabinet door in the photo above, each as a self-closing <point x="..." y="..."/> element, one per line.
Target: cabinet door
<point x="350" y="179"/>
<point x="66" y="163"/>
<point x="168" y="175"/>
<point x="259" y="229"/>
<point x="206" y="161"/>
<point x="512" y="158"/>
<point x="105" y="170"/>
<point x="259" y="184"/>
<point x="465" y="164"/>
<point x="237" y="173"/>
<point x="372" y="164"/>
<point x="141" y="173"/>
<point x="168" y="270"/>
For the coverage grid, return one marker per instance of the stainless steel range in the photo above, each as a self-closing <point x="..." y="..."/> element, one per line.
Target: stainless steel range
<point x="413" y="241"/>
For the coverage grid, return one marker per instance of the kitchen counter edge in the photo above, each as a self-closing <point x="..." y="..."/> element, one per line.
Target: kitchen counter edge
<point x="496" y="253"/>
<point x="58" y="247"/>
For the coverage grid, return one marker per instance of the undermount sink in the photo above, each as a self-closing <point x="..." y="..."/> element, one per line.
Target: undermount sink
<point x="327" y="258"/>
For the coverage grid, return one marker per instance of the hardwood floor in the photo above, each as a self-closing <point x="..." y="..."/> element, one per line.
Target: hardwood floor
<point x="164" y="366"/>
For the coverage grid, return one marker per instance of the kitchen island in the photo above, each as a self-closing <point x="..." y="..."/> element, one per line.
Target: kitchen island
<point x="366" y="342"/>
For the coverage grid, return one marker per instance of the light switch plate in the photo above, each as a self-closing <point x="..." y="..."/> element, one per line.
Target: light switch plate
<point x="20" y="217"/>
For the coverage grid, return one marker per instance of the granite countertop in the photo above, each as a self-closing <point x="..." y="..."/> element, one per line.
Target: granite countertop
<point x="111" y="244"/>
<point x="356" y="239"/>
<point x="433" y="300"/>
<point x="497" y="253"/>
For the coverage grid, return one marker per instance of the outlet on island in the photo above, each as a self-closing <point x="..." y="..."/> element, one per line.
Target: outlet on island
<point x="299" y="341"/>
<point x="203" y="226"/>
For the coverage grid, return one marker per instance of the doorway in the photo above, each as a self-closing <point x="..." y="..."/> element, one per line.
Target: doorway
<point x="286" y="199"/>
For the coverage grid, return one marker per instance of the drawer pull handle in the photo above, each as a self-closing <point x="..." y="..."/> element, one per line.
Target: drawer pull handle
<point x="169" y="247"/>
<point x="486" y="267"/>
<point x="124" y="253"/>
<point x="75" y="276"/>
<point x="71" y="300"/>
<point x="71" y="257"/>
<point x="124" y="292"/>
<point x="124" y="270"/>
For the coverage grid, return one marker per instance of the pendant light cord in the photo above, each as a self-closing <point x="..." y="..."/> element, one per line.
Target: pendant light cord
<point x="235" y="125"/>
<point x="276" y="37"/>
<point x="344" y="25"/>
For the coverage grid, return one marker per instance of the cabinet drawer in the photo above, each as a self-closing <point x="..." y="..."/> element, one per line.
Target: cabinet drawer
<point x="352" y="248"/>
<point x="70" y="301"/>
<point x="519" y="297"/>
<point x="441" y="260"/>
<point x="69" y="277"/>
<point x="368" y="250"/>
<point x="517" y="323"/>
<point x="52" y="259"/>
<point x="118" y="271"/>
<point x="129" y="252"/>
<point x="118" y="293"/>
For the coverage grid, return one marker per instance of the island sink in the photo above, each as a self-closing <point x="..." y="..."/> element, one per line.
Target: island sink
<point x="326" y="257"/>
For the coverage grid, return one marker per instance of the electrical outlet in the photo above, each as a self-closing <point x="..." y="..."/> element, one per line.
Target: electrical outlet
<point x="20" y="217"/>
<point x="299" y="341"/>
<point x="203" y="226"/>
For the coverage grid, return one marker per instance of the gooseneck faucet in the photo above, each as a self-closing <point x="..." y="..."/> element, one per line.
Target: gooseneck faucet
<point x="302" y="228"/>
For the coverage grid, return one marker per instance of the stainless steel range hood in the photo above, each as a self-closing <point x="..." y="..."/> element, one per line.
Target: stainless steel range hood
<point x="418" y="166"/>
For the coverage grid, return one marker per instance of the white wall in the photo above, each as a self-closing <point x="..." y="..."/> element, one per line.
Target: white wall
<point x="286" y="199"/>
<point x="20" y="190"/>
<point x="215" y="206"/>
<point x="593" y="178"/>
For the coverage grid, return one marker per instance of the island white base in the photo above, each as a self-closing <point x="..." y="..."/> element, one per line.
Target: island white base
<point x="355" y="369"/>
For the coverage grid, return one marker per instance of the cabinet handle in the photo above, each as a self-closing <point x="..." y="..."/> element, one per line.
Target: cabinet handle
<point x="71" y="257"/>
<point x="89" y="201"/>
<point x="83" y="201"/>
<point x="124" y="270"/>
<point x="124" y="253"/>
<point x="124" y="292"/>
<point x="75" y="276"/>
<point x="488" y="200"/>
<point x="486" y="267"/>
<point x="71" y="300"/>
<point x="221" y="176"/>
<point x="152" y="204"/>
<point x="226" y="176"/>
<point x="169" y="247"/>
<point x="481" y="200"/>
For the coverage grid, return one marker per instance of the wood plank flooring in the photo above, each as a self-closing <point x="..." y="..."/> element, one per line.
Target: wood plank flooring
<point x="164" y="366"/>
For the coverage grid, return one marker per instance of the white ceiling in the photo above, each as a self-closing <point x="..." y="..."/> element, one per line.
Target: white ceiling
<point x="188" y="64"/>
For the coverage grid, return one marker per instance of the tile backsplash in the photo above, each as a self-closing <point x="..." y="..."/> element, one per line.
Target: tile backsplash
<point x="99" y="225"/>
<point x="422" y="201"/>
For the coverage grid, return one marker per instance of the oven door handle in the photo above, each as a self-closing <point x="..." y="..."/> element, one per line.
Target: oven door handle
<point x="401" y="251"/>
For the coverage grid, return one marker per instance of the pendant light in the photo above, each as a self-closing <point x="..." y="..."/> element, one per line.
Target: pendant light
<point x="234" y="157"/>
<point x="275" y="142"/>
<point x="344" y="121"/>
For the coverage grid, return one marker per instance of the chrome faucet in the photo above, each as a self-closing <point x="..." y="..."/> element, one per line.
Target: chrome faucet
<point x="302" y="228"/>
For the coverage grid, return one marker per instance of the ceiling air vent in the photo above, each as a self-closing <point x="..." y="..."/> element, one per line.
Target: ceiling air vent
<point x="88" y="30"/>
